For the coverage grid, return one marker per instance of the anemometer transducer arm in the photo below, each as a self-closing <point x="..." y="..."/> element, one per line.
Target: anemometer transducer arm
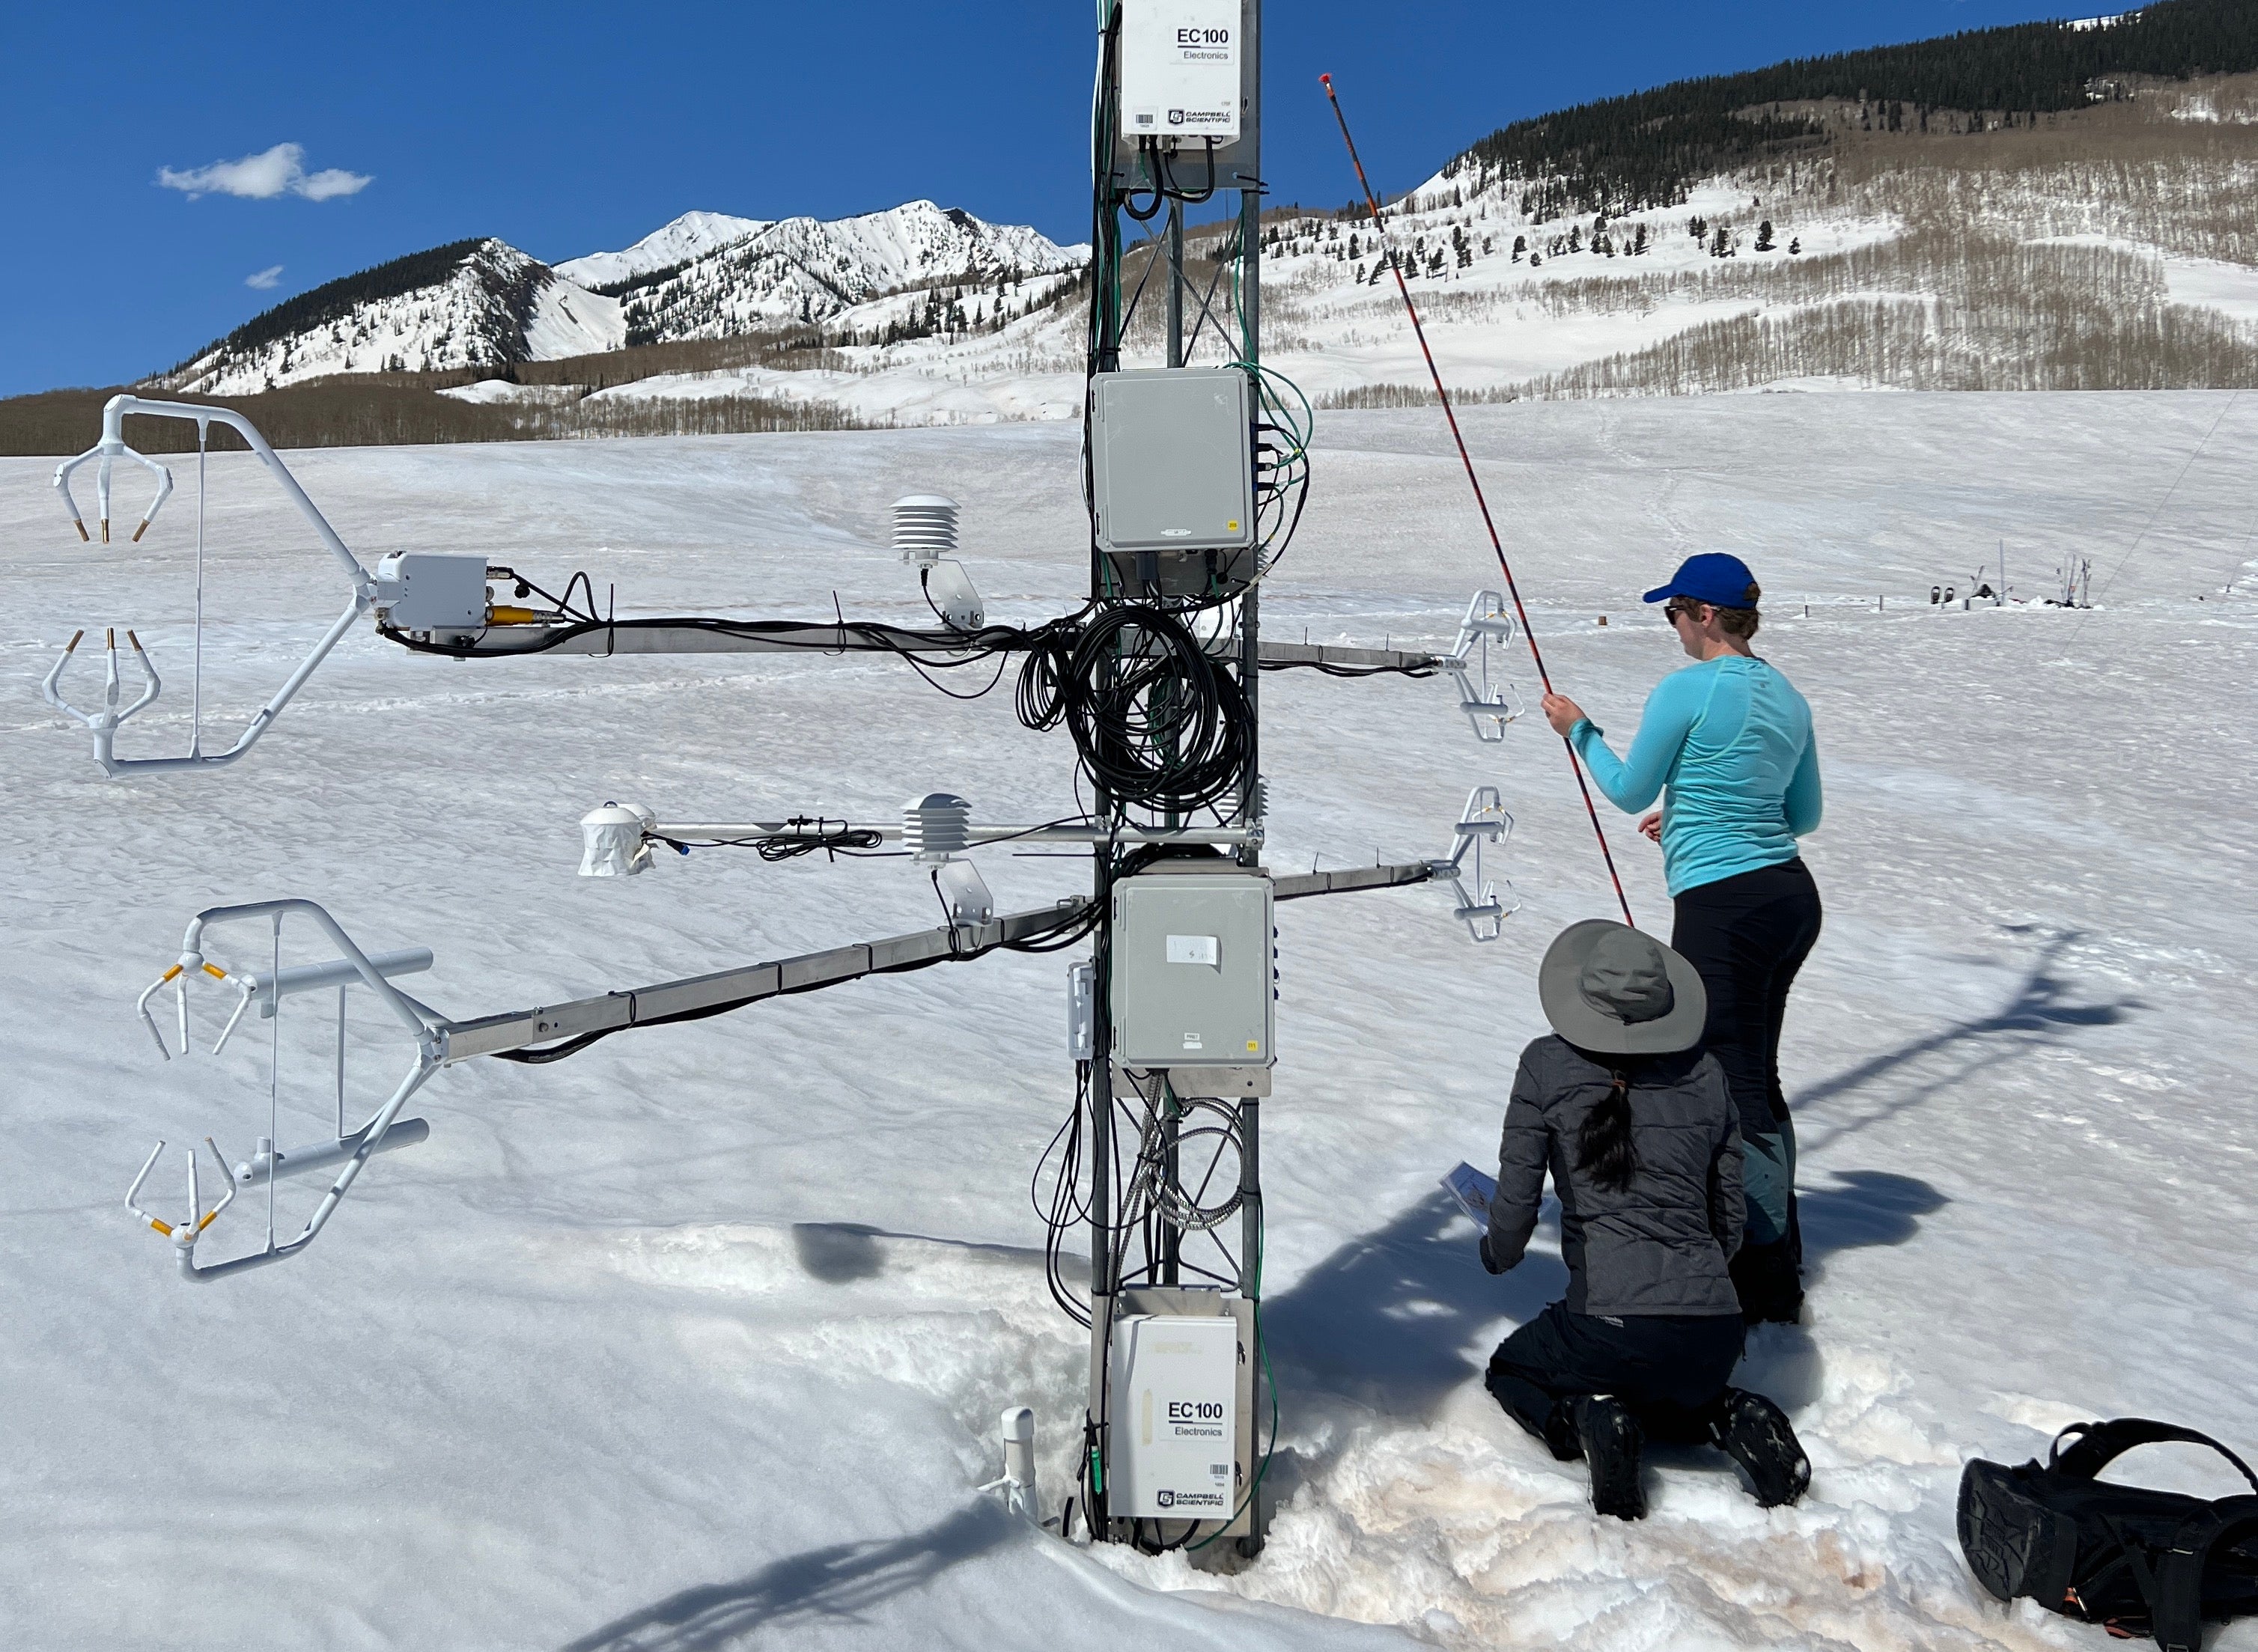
<point x="548" y="1033"/>
<point x="368" y="591"/>
<point x="267" y="1164"/>
<point x="443" y="604"/>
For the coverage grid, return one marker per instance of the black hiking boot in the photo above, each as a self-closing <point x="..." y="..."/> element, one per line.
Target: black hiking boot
<point x="1560" y="1432"/>
<point x="1756" y="1433"/>
<point x="1611" y="1440"/>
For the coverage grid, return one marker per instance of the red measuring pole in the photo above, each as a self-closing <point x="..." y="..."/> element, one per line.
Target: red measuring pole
<point x="1380" y="226"/>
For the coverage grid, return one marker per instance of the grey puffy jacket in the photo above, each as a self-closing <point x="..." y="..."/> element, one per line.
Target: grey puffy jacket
<point x="1661" y="1245"/>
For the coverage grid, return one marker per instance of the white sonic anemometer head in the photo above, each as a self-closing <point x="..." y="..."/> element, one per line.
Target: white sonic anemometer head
<point x="106" y="453"/>
<point x="383" y="1129"/>
<point x="1489" y="708"/>
<point x="185" y="1232"/>
<point x="1480" y="909"/>
<point x="104" y="721"/>
<point x="368" y="591"/>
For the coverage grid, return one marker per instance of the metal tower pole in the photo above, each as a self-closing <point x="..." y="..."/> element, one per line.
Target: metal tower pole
<point x="1250" y="678"/>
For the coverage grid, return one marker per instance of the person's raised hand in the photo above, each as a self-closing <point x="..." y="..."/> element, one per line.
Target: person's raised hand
<point x="1563" y="714"/>
<point x="1650" y="824"/>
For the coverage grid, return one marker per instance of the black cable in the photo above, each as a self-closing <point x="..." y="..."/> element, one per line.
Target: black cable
<point x="959" y="647"/>
<point x="1148" y="151"/>
<point x="1325" y="668"/>
<point x="1065" y="1209"/>
<point x="1188" y="197"/>
<point x="785" y="846"/>
<point x="1157" y="721"/>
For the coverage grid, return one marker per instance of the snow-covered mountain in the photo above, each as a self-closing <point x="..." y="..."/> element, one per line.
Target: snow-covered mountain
<point x="470" y="304"/>
<point x="811" y="269"/>
<point x="706" y="275"/>
<point x="691" y="236"/>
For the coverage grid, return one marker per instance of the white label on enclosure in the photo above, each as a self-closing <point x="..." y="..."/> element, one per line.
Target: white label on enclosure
<point x="1193" y="949"/>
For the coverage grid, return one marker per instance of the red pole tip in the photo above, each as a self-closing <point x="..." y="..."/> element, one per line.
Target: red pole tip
<point x="1326" y="79"/>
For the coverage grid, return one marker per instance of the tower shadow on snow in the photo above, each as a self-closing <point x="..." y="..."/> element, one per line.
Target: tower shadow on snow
<point x="2037" y="1013"/>
<point x="841" y="1253"/>
<point x="838" y="1582"/>
<point x="1395" y="1321"/>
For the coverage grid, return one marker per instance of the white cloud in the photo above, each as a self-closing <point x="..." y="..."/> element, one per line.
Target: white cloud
<point x="265" y="279"/>
<point x="278" y="171"/>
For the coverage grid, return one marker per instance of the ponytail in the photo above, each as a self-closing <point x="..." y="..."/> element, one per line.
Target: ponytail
<point x="1603" y="1145"/>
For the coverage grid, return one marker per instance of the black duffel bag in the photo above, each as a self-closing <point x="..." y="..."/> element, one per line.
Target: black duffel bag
<point x="2134" y="1560"/>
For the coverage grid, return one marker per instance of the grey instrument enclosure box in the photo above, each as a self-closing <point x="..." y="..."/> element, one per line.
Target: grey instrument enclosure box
<point x="1172" y="477"/>
<point x="1193" y="974"/>
<point x="439" y="595"/>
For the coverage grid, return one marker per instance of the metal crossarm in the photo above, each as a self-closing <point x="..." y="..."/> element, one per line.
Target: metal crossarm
<point x="732" y="988"/>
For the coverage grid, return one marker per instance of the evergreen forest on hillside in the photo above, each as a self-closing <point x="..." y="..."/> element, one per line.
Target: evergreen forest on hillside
<point x="336" y="301"/>
<point x="1646" y="149"/>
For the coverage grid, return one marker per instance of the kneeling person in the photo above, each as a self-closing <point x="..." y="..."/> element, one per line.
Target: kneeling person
<point x="1644" y="1146"/>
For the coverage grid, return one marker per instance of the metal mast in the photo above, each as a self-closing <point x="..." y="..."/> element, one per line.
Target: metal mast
<point x="1214" y="321"/>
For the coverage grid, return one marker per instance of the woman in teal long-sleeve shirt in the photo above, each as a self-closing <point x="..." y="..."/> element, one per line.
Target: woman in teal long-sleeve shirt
<point x="1727" y="744"/>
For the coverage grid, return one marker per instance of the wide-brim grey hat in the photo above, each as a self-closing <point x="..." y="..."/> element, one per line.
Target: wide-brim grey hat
<point x="1609" y="988"/>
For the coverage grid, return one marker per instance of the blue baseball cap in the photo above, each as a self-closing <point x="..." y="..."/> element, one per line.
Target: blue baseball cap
<point x="1720" y="580"/>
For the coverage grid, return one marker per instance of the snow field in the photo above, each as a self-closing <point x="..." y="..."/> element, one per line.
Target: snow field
<point x="697" y="1339"/>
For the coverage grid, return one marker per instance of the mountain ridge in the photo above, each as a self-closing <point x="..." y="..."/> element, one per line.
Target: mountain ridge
<point x="481" y="303"/>
<point x="2106" y="245"/>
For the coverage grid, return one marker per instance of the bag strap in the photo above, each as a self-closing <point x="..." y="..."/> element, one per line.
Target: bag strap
<point x="2175" y="1590"/>
<point x="2099" y="1444"/>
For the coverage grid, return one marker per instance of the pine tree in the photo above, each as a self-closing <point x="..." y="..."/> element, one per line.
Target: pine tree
<point x="1764" y="237"/>
<point x="1520" y="246"/>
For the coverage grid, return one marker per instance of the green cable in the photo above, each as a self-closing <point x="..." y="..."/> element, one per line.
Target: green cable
<point x="1263" y="1347"/>
<point x="1302" y="431"/>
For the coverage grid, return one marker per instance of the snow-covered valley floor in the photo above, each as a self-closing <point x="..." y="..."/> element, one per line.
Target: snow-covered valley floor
<point x="697" y="1340"/>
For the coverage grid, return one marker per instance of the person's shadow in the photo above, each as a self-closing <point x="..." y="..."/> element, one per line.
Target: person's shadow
<point x="1395" y="1321"/>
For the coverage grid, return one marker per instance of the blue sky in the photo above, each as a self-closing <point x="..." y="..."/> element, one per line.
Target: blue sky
<point x="565" y="128"/>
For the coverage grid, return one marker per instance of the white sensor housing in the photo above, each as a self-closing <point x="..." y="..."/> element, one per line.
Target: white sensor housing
<point x="1180" y="71"/>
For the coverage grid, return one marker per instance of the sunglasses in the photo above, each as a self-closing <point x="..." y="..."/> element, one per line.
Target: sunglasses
<point x="1674" y="611"/>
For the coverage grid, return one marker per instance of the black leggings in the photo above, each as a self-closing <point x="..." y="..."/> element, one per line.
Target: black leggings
<point x="1671" y="1369"/>
<point x="1747" y="935"/>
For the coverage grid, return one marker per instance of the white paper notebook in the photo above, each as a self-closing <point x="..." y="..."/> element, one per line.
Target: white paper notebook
<point x="1473" y="1190"/>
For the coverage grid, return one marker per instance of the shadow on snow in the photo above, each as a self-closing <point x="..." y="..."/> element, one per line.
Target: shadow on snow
<point x="839" y="1583"/>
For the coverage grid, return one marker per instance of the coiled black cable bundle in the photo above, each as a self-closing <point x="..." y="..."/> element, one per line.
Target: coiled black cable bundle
<point x="1157" y="721"/>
